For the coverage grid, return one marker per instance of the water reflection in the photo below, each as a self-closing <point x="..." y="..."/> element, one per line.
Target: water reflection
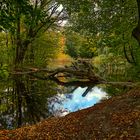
<point x="62" y="104"/>
<point x="24" y="100"/>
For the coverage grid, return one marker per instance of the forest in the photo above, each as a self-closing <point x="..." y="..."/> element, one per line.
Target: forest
<point x="50" y="48"/>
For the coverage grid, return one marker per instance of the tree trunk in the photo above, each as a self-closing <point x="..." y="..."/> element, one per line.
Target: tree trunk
<point x="21" y="50"/>
<point x="136" y="30"/>
<point x="21" y="45"/>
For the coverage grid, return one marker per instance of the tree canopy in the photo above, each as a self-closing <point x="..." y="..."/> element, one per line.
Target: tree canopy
<point x="26" y="20"/>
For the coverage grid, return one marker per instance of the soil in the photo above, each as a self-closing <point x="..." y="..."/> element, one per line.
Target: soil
<point x="117" y="118"/>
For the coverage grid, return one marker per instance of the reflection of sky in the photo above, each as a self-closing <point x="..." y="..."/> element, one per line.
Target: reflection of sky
<point x="74" y="101"/>
<point x="78" y="102"/>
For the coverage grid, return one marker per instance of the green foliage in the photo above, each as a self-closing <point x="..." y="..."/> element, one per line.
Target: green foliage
<point x="4" y="56"/>
<point x="3" y="49"/>
<point x="114" y="91"/>
<point x="44" y="48"/>
<point x="4" y="74"/>
<point x="79" y="46"/>
<point x="109" y="22"/>
<point x="73" y="43"/>
<point x="88" y="49"/>
<point x="111" y="67"/>
<point x="102" y="16"/>
<point x="27" y="20"/>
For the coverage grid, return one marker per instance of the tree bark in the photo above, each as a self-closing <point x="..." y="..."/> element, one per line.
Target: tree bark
<point x="136" y="30"/>
<point x="21" y="50"/>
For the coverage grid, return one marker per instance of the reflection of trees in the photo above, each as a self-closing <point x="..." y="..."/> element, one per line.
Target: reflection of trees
<point x="55" y="104"/>
<point x="25" y="101"/>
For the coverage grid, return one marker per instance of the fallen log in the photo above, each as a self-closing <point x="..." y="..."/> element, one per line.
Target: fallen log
<point x="78" y="74"/>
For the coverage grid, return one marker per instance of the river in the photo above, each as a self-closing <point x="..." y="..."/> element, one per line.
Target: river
<point x="28" y="100"/>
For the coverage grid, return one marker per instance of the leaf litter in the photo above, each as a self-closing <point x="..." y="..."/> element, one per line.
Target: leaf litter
<point x="117" y="118"/>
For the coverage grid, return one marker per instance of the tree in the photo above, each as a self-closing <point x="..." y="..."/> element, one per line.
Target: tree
<point x="117" y="34"/>
<point x="136" y="30"/>
<point x="110" y="21"/>
<point x="112" y="24"/>
<point x="43" y="49"/>
<point x="78" y="46"/>
<point x="25" y="20"/>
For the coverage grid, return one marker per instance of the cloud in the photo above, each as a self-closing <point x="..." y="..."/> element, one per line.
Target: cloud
<point x="77" y="101"/>
<point x="96" y="93"/>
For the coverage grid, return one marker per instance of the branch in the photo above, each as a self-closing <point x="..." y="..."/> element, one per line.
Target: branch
<point x="72" y="76"/>
<point x="87" y="90"/>
<point x="83" y="82"/>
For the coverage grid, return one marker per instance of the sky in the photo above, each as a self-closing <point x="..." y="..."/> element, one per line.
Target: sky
<point x="72" y="102"/>
<point x="78" y="102"/>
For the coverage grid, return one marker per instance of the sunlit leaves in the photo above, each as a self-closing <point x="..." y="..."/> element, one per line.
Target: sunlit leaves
<point x="44" y="48"/>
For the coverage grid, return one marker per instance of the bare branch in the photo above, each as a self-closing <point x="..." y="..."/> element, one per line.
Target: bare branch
<point x="71" y="76"/>
<point x="50" y="19"/>
<point x="44" y="3"/>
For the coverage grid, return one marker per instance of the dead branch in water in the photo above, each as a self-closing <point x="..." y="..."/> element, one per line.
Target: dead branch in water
<point x="80" y="73"/>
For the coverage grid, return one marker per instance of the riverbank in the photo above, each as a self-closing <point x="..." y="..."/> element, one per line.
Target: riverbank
<point x="117" y="118"/>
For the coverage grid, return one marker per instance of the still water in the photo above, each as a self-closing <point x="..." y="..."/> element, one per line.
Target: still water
<point x="63" y="104"/>
<point x="26" y="100"/>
